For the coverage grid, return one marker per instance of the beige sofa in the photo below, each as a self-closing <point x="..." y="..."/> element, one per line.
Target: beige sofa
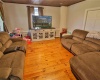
<point x="85" y="64"/>
<point x="11" y="63"/>
<point x="77" y="37"/>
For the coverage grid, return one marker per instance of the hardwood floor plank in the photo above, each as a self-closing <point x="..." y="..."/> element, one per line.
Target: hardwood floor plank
<point x="52" y="75"/>
<point x="47" y="60"/>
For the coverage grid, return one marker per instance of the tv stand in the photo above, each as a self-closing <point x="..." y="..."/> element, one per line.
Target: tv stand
<point x="42" y="34"/>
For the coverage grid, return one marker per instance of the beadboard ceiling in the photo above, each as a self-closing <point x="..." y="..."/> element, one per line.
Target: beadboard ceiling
<point x="56" y="3"/>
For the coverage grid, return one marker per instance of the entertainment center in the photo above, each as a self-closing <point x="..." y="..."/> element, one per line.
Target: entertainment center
<point x="42" y="28"/>
<point x="42" y="34"/>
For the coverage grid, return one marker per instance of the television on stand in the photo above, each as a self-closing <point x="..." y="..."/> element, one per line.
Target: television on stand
<point x="42" y="22"/>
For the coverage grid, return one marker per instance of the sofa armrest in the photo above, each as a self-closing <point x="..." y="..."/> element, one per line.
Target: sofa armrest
<point x="4" y="73"/>
<point x="67" y="36"/>
<point x="11" y="77"/>
<point x="16" y="39"/>
<point x="3" y="79"/>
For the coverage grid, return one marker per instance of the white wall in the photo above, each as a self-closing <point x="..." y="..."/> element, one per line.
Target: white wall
<point x="76" y="13"/>
<point x="16" y="15"/>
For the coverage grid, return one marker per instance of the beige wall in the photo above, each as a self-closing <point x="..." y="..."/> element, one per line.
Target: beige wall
<point x="76" y="13"/>
<point x="16" y="15"/>
<point x="63" y="17"/>
<point x="55" y="13"/>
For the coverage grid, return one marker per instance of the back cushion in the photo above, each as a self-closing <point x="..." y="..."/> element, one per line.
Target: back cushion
<point x="97" y="41"/>
<point x="79" y="33"/>
<point x="7" y="44"/>
<point x="1" y="54"/>
<point x="2" y="49"/>
<point x="91" y="44"/>
<point x="0" y="44"/>
<point x="78" y="39"/>
<point x="4" y="37"/>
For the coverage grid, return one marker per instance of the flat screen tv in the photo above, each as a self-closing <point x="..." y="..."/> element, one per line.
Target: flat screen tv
<point x="42" y="21"/>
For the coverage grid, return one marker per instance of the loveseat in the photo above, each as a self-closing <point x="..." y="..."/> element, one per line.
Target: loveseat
<point x="12" y="63"/>
<point x="85" y="64"/>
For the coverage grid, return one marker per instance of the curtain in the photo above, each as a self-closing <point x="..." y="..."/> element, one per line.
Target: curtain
<point x="40" y="11"/>
<point x="2" y="16"/>
<point x="30" y="10"/>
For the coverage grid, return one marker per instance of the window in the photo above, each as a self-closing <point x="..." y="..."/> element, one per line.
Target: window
<point x="36" y="13"/>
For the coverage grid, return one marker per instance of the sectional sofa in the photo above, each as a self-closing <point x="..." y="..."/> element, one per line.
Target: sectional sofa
<point x="85" y="65"/>
<point x="12" y="63"/>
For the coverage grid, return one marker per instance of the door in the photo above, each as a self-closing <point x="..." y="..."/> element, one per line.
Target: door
<point x="92" y="21"/>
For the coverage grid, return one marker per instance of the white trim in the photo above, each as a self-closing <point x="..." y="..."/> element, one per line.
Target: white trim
<point x="85" y="15"/>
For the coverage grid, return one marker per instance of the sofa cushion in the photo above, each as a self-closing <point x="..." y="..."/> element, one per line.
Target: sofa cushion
<point x="1" y="54"/>
<point x="4" y="37"/>
<point x="70" y="42"/>
<point x="87" y="66"/>
<point x="7" y="59"/>
<point x="5" y="72"/>
<point x="95" y="46"/>
<point x="97" y="41"/>
<point x="81" y="48"/>
<point x="8" y="43"/>
<point x="67" y="36"/>
<point x="78" y="39"/>
<point x="79" y="33"/>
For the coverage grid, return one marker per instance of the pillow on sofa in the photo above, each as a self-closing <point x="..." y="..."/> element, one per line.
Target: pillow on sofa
<point x="94" y="35"/>
<point x="1" y="54"/>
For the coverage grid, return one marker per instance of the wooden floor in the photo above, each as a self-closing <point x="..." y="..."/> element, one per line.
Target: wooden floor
<point x="47" y="60"/>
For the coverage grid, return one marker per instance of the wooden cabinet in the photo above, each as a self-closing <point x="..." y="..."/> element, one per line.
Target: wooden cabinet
<point x="42" y="34"/>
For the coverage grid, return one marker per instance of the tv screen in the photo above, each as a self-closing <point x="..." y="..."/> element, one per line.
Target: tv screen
<point x="42" y="21"/>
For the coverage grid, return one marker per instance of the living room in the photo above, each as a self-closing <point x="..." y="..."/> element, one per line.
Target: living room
<point x="49" y="58"/>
